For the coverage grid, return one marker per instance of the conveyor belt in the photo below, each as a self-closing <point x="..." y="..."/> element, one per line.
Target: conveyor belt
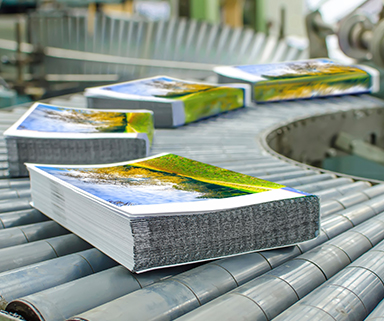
<point x="50" y="274"/>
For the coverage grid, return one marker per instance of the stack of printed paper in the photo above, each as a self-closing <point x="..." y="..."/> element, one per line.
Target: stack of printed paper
<point x="302" y="79"/>
<point x="169" y="210"/>
<point x="57" y="135"/>
<point x="175" y="102"/>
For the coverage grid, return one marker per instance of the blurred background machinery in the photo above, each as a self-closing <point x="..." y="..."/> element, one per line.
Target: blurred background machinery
<point x="51" y="47"/>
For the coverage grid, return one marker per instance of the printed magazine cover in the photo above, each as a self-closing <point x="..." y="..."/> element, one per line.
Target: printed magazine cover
<point x="303" y="79"/>
<point x="196" y="99"/>
<point x="166" y="179"/>
<point x="42" y="119"/>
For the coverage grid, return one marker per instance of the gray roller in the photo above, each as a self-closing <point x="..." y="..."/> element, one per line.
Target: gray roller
<point x="30" y="233"/>
<point x="312" y="188"/>
<point x="352" y="199"/>
<point x="292" y="280"/>
<point x="328" y="260"/>
<point x="181" y="303"/>
<point x="355" y="187"/>
<point x="21" y="255"/>
<point x="62" y="302"/>
<point x="8" y="193"/>
<point x="335" y="224"/>
<point x="279" y="256"/>
<point x="288" y="175"/>
<point x="14" y="205"/>
<point x="15" y="183"/>
<point x="23" y="217"/>
<point x="377" y="314"/>
<point x="330" y="207"/>
<point x="43" y="275"/>
<point x="354" y="292"/>
<point x="270" y="170"/>
<point x="307" y="180"/>
<point x="374" y="190"/>
<point x="344" y="190"/>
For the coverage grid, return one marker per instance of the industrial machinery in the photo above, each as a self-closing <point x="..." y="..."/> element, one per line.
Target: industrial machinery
<point x="48" y="273"/>
<point x="70" y="48"/>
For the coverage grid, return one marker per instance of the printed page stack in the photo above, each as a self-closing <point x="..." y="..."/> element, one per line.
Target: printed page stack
<point x="175" y="102"/>
<point x="169" y="210"/>
<point x="302" y="79"/>
<point x="57" y="135"/>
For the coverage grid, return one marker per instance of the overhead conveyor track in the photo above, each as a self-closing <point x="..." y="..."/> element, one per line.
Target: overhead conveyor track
<point x="67" y="279"/>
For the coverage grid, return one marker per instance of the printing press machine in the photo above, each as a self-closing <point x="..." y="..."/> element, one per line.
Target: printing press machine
<point x="48" y="273"/>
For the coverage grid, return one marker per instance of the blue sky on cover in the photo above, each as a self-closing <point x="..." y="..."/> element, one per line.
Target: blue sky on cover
<point x="276" y="69"/>
<point x="141" y="87"/>
<point x="133" y="195"/>
<point x="39" y="121"/>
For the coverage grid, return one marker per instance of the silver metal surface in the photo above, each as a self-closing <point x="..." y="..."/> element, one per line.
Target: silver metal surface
<point x="377" y="314"/>
<point x="25" y="254"/>
<point x="23" y="217"/>
<point x="214" y="141"/>
<point x="329" y="258"/>
<point x="43" y="275"/>
<point x="64" y="301"/>
<point x="351" y="294"/>
<point x="30" y="233"/>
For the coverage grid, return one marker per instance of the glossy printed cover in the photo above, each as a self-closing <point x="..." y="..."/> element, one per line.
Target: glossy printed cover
<point x="199" y="100"/>
<point x="162" y="183"/>
<point x="43" y="120"/>
<point x="303" y="79"/>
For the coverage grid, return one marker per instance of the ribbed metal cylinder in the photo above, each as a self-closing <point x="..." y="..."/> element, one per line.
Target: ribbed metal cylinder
<point x="21" y="255"/>
<point x="350" y="295"/>
<point x="30" y="233"/>
<point x="64" y="301"/>
<point x="43" y="275"/>
<point x="207" y="283"/>
<point x="377" y="314"/>
<point x="283" y="286"/>
<point x="23" y="217"/>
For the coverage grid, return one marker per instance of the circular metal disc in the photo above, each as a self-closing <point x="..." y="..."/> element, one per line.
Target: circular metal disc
<point x="345" y="32"/>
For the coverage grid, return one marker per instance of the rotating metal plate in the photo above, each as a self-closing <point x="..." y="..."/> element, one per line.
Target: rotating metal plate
<point x="345" y="36"/>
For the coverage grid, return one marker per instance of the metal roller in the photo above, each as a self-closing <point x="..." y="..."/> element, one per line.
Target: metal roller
<point x="15" y="205"/>
<point x="21" y="255"/>
<point x="307" y="180"/>
<point x="30" y="233"/>
<point x="377" y="314"/>
<point x="343" y="190"/>
<point x="374" y="190"/>
<point x="23" y="217"/>
<point x="313" y="188"/>
<point x="43" y="275"/>
<point x="354" y="35"/>
<point x="329" y="258"/>
<point x="62" y="302"/>
<point x="354" y="291"/>
<point x="302" y="275"/>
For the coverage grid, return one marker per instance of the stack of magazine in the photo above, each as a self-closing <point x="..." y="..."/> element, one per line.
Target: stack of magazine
<point x="301" y="79"/>
<point x="169" y="210"/>
<point x="56" y="135"/>
<point x="175" y="102"/>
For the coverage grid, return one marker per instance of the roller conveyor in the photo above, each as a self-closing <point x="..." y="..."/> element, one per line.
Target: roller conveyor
<point x="256" y="286"/>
